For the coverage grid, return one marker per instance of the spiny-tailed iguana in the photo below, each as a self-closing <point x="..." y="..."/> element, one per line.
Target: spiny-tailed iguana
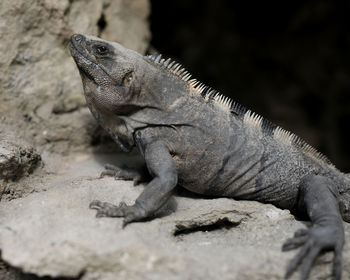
<point x="192" y="136"/>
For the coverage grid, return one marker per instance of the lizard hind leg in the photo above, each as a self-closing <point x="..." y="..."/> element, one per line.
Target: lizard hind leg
<point x="319" y="197"/>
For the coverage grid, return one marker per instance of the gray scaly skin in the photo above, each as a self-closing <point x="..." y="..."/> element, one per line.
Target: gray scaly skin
<point x="192" y="136"/>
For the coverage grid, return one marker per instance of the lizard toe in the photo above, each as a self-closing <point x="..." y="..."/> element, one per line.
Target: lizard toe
<point x="301" y="232"/>
<point x="95" y="204"/>
<point x="337" y="262"/>
<point x="293" y="243"/>
<point x="106" y="209"/>
<point x="317" y="240"/>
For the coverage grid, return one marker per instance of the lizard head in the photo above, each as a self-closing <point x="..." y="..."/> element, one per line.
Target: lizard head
<point x="107" y="70"/>
<point x="125" y="90"/>
<point x="119" y="80"/>
<point x="114" y="84"/>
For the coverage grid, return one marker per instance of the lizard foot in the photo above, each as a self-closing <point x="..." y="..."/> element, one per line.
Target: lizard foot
<point x="130" y="213"/>
<point x="122" y="173"/>
<point x="313" y="241"/>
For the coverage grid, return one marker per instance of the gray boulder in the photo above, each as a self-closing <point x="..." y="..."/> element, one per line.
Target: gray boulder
<point x="53" y="233"/>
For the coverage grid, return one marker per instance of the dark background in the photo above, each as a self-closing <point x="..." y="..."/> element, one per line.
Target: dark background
<point x="287" y="61"/>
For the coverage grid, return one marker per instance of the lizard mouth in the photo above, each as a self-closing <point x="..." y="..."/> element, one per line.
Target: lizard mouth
<point x="86" y="62"/>
<point x="77" y="46"/>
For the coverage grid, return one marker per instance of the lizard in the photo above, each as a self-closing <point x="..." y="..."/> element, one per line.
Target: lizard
<point x="192" y="136"/>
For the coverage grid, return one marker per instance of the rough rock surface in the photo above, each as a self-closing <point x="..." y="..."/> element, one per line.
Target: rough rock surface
<point x="54" y="233"/>
<point x="16" y="161"/>
<point x="41" y="90"/>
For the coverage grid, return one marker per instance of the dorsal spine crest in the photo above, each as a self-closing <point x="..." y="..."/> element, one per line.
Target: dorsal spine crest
<point x="247" y="116"/>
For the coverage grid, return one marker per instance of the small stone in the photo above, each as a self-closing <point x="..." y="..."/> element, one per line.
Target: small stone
<point x="17" y="160"/>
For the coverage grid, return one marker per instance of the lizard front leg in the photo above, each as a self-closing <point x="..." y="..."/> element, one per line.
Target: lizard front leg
<point x="318" y="197"/>
<point x="163" y="170"/>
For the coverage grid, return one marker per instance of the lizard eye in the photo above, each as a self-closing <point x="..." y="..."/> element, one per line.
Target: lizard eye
<point x="128" y="79"/>
<point x="101" y="50"/>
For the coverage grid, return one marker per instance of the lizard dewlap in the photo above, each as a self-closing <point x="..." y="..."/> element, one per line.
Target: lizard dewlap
<point x="194" y="137"/>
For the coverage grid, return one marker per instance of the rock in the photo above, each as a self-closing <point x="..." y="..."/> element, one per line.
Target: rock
<point x="53" y="233"/>
<point x="41" y="92"/>
<point x="17" y="161"/>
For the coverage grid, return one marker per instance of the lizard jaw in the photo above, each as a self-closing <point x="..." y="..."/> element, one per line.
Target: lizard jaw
<point x="86" y="62"/>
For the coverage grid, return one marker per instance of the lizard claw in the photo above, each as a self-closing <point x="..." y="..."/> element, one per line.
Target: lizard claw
<point x="312" y="243"/>
<point x="301" y="232"/>
<point x="300" y="237"/>
<point x="106" y="209"/>
<point x="110" y="170"/>
<point x="130" y="213"/>
<point x="293" y="243"/>
<point x="123" y="173"/>
<point x="128" y="219"/>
